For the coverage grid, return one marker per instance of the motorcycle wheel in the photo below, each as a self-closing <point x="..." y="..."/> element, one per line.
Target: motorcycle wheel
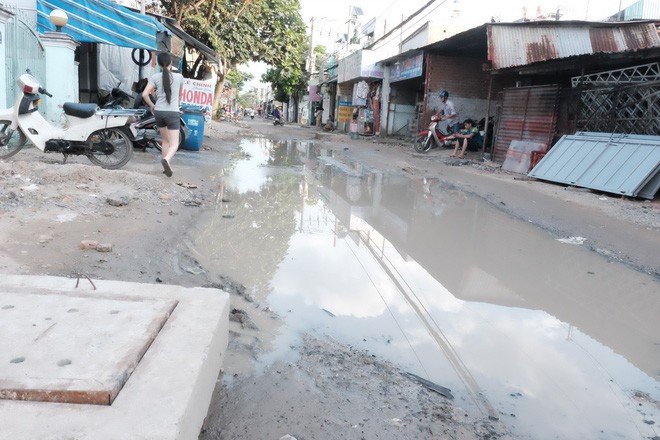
<point x="10" y="143"/>
<point x="110" y="148"/>
<point x="423" y="143"/>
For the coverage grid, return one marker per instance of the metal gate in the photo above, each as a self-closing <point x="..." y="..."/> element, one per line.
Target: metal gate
<point x="24" y="50"/>
<point x="525" y="114"/>
<point x="623" y="101"/>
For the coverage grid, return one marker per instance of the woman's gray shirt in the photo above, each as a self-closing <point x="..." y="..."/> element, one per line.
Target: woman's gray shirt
<point x="161" y="100"/>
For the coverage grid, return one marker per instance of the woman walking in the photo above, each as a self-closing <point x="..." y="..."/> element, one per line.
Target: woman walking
<point x="166" y="109"/>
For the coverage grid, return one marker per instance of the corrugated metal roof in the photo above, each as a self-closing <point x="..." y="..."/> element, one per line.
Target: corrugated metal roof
<point x="512" y="45"/>
<point x="643" y="9"/>
<point x="619" y="164"/>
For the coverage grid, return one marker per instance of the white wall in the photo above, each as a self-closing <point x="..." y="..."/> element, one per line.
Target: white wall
<point x="61" y="74"/>
<point x="24" y="4"/>
<point x="3" y="59"/>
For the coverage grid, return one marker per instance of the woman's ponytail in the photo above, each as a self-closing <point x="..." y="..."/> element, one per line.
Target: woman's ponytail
<point x="164" y="61"/>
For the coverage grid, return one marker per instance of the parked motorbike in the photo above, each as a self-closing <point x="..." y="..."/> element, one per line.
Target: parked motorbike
<point x="116" y="99"/>
<point x="432" y="137"/>
<point x="148" y="135"/>
<point x="99" y="134"/>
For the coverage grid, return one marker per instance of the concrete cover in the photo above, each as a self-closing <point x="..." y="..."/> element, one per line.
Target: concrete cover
<point x="53" y="360"/>
<point x="57" y="340"/>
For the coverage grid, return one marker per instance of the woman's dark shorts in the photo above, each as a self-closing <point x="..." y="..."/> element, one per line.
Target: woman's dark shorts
<point x="171" y="120"/>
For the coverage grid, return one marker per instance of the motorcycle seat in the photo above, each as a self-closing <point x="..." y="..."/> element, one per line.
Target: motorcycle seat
<point x="80" y="110"/>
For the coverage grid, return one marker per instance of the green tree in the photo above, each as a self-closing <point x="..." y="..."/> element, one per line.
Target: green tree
<point x="247" y="100"/>
<point x="287" y="83"/>
<point x="238" y="78"/>
<point x="319" y="54"/>
<point x="271" y="31"/>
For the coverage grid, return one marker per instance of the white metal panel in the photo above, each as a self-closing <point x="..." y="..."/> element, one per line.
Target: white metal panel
<point x="616" y="164"/>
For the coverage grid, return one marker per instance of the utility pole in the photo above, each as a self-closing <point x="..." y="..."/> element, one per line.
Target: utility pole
<point x="143" y="12"/>
<point x="348" y="30"/>
<point x="586" y="13"/>
<point x="311" y="59"/>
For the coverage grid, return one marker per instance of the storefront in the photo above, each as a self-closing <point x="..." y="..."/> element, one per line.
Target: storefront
<point x="406" y="96"/>
<point x="359" y="83"/>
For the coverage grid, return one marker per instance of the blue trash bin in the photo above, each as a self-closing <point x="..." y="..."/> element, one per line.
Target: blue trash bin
<point x="194" y="120"/>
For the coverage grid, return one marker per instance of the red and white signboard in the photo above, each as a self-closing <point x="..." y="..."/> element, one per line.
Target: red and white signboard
<point x="198" y="93"/>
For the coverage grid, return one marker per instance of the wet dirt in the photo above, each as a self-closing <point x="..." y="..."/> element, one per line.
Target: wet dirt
<point x="311" y="365"/>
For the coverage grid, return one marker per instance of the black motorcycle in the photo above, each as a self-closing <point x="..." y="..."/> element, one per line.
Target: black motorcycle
<point x="116" y="99"/>
<point x="146" y="133"/>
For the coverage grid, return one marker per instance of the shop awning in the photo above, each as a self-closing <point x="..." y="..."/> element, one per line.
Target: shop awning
<point x="101" y="21"/>
<point x="190" y="40"/>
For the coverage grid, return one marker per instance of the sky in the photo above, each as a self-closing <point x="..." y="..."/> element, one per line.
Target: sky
<point x="339" y="9"/>
<point x="583" y="9"/>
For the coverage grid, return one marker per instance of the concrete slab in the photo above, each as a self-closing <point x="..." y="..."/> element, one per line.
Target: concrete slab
<point x="52" y="360"/>
<point x="89" y="339"/>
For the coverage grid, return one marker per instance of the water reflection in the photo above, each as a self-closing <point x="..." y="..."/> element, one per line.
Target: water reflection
<point x="439" y="282"/>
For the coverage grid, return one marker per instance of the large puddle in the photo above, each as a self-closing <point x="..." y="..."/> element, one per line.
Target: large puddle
<point x="552" y="339"/>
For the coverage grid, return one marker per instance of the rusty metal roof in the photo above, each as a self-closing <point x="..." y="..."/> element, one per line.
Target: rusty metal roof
<point x="519" y="44"/>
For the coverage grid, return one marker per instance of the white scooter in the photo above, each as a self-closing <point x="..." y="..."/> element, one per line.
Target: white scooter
<point x="100" y="134"/>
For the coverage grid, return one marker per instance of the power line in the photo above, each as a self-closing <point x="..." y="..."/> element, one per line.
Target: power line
<point x="386" y="9"/>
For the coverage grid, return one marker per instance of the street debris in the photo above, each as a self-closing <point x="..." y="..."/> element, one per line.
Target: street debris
<point x="572" y="240"/>
<point x="88" y="244"/>
<point x="118" y="199"/>
<point x="443" y="391"/>
<point x="241" y="316"/>
<point x="329" y="313"/>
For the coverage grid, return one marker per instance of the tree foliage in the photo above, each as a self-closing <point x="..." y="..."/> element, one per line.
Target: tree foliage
<point x="238" y="78"/>
<point x="243" y="30"/>
<point x="271" y="31"/>
<point x="285" y="83"/>
<point x="319" y="54"/>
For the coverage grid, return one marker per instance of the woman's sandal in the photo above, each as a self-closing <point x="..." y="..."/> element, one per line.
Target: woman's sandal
<point x="166" y="168"/>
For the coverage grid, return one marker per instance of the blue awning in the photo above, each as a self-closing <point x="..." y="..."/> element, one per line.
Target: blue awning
<point x="101" y="21"/>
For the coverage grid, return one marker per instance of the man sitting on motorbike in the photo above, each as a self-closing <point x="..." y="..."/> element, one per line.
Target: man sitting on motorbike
<point x="448" y="112"/>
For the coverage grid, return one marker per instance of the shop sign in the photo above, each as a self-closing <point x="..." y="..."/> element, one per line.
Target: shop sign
<point x="407" y="68"/>
<point x="349" y="67"/>
<point x="370" y="67"/>
<point x="345" y="111"/>
<point x="198" y="93"/>
<point x="361" y="63"/>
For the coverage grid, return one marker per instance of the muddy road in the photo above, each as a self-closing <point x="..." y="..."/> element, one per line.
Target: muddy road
<point x="376" y="293"/>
